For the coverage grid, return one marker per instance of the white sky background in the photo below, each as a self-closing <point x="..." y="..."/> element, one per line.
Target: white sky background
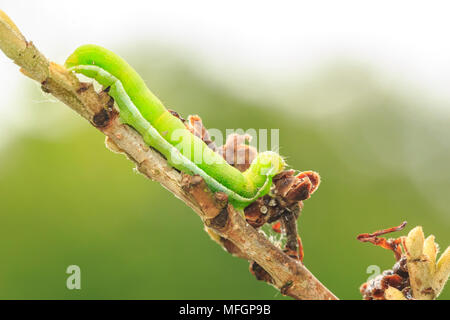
<point x="408" y="40"/>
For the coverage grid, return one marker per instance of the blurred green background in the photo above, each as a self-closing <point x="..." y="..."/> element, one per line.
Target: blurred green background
<point x="66" y="199"/>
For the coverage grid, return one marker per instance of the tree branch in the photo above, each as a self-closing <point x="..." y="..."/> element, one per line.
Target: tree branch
<point x="221" y="220"/>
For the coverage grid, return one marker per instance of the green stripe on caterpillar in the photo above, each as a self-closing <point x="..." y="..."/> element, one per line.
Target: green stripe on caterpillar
<point x="142" y="110"/>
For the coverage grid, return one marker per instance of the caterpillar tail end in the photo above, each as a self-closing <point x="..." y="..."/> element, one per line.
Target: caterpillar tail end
<point x="83" y="55"/>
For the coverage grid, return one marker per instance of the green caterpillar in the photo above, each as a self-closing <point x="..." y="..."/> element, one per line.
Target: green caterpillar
<point x="142" y="110"/>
